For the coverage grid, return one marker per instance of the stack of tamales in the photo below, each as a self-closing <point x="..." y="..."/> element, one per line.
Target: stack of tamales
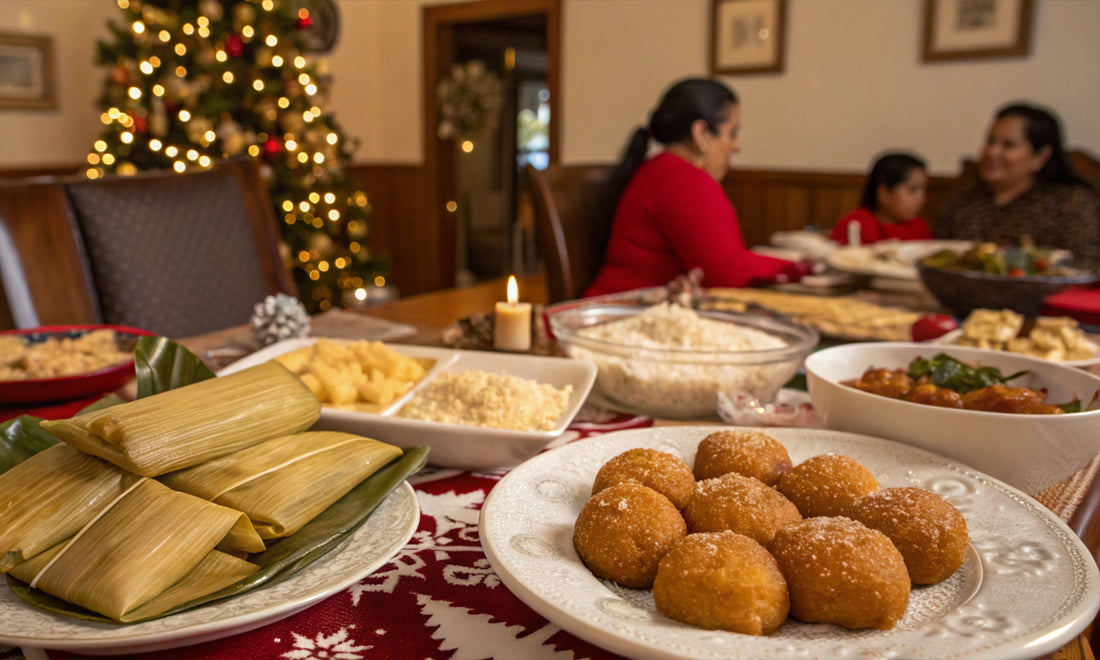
<point x="156" y="502"/>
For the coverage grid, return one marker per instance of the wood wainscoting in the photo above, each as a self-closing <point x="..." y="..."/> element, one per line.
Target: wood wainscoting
<point x="766" y="200"/>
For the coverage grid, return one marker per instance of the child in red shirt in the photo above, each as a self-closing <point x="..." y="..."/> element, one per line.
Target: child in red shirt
<point x="893" y="196"/>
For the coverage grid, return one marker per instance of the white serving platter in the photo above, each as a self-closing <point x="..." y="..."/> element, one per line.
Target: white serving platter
<point x="455" y="445"/>
<point x="388" y="529"/>
<point x="1028" y="584"/>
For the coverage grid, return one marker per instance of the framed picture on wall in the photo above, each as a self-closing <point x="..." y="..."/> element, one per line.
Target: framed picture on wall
<point x="26" y="71"/>
<point x="967" y="29"/>
<point x="747" y="36"/>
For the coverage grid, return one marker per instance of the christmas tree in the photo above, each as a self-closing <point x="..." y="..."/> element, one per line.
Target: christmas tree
<point x="189" y="82"/>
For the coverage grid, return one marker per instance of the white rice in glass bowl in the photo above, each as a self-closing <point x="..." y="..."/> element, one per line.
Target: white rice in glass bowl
<point x="670" y="361"/>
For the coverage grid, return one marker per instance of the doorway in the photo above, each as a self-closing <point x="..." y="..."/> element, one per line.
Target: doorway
<point x="476" y="192"/>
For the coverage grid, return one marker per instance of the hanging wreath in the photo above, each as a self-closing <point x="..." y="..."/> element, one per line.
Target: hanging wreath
<point x="469" y="100"/>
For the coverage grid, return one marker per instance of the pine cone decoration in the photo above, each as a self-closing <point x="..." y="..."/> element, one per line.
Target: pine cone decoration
<point x="279" y="317"/>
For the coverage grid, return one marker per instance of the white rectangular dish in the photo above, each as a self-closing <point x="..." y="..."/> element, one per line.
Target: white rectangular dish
<point x="455" y="445"/>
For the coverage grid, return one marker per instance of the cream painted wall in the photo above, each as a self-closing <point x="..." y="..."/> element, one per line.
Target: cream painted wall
<point x="853" y="84"/>
<point x="63" y="136"/>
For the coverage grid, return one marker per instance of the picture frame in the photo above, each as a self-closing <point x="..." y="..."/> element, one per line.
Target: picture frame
<point x="747" y="36"/>
<point x="972" y="29"/>
<point x="26" y="72"/>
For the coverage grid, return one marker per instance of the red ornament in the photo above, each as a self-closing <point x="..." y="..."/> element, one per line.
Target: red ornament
<point x="272" y="147"/>
<point x="304" y="22"/>
<point x="120" y="76"/>
<point x="140" y="123"/>
<point x="234" y="45"/>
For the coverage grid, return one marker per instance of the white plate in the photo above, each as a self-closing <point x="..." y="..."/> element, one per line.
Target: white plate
<point x="390" y="527"/>
<point x="890" y="258"/>
<point x="456" y="445"/>
<point x="950" y="338"/>
<point x="1027" y="587"/>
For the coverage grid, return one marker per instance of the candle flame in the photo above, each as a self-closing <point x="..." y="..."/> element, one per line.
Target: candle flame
<point x="513" y="290"/>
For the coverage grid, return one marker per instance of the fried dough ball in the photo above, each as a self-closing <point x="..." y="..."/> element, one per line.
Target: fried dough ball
<point x="740" y="504"/>
<point x="840" y="571"/>
<point x="722" y="580"/>
<point x="624" y="530"/>
<point x="750" y="453"/>
<point x="826" y="484"/>
<point x="665" y="473"/>
<point x="929" y="532"/>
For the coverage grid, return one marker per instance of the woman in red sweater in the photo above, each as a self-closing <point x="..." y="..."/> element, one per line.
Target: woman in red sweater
<point x="671" y="214"/>
<point x="893" y="196"/>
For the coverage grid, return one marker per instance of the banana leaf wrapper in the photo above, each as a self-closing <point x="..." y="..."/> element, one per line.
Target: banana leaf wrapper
<point x="195" y="423"/>
<point x="50" y="496"/>
<point x="284" y="557"/>
<point x="150" y="549"/>
<point x="283" y="483"/>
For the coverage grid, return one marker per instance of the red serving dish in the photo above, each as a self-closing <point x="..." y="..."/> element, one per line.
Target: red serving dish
<point x="107" y="379"/>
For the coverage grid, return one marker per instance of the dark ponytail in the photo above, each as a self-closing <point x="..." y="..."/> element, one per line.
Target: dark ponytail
<point x="682" y="104"/>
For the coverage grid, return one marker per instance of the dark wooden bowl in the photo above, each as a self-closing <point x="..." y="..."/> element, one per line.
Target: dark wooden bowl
<point x="964" y="290"/>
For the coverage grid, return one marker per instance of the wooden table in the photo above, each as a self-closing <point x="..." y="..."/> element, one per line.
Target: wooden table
<point x="431" y="312"/>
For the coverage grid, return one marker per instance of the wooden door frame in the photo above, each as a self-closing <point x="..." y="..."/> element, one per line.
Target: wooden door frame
<point x="438" y="22"/>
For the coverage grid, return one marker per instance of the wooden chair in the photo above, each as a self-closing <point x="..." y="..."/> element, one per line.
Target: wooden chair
<point x="566" y="200"/>
<point x="176" y="254"/>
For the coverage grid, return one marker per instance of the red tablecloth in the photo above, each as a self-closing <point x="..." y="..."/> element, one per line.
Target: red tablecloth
<point x="438" y="598"/>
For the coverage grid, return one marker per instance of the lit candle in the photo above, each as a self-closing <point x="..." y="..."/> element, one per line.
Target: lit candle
<point x="512" y="325"/>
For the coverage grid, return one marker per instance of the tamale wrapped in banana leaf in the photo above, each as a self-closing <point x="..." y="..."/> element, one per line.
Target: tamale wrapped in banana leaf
<point x="50" y="496"/>
<point x="283" y="483"/>
<point x="150" y="549"/>
<point x="189" y="425"/>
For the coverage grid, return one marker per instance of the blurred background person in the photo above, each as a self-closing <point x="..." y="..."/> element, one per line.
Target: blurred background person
<point x="893" y="196"/>
<point x="669" y="213"/>
<point x="1027" y="186"/>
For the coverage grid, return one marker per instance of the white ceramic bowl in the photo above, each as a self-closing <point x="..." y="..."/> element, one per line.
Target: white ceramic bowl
<point x="454" y="445"/>
<point x="1031" y="452"/>
<point x="681" y="383"/>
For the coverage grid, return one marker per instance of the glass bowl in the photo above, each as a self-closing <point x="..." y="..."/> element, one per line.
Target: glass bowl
<point x="670" y="377"/>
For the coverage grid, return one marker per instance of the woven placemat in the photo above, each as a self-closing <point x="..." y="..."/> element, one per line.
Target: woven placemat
<point x="1064" y="498"/>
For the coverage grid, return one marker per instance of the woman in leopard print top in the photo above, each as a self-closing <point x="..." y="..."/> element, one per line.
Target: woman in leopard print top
<point x="1027" y="186"/>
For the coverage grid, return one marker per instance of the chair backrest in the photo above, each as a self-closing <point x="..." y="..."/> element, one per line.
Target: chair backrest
<point x="44" y="271"/>
<point x="567" y="201"/>
<point x="176" y="254"/>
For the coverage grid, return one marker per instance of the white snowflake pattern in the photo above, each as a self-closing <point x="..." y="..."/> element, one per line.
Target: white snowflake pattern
<point x="405" y="564"/>
<point x="338" y="646"/>
<point x="456" y="517"/>
<point x="464" y="576"/>
<point x="451" y="511"/>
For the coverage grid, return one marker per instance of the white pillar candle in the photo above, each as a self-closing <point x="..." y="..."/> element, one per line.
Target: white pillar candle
<point x="854" y="231"/>
<point x="512" y="322"/>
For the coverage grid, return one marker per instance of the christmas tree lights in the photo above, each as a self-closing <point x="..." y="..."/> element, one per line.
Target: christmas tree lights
<point x="191" y="82"/>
